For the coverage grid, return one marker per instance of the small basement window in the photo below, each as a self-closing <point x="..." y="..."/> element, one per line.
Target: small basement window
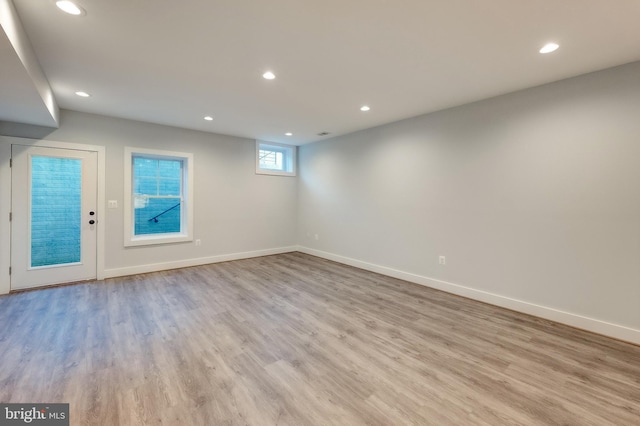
<point x="275" y="159"/>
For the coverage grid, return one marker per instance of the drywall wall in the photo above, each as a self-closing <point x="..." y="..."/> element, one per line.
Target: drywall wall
<point x="237" y="212"/>
<point x="533" y="197"/>
<point x="22" y="97"/>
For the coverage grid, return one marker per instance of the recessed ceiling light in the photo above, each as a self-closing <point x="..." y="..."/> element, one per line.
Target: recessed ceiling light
<point x="364" y="108"/>
<point x="288" y="134"/>
<point x="83" y="94"/>
<point x="70" y="7"/>
<point x="549" y="47"/>
<point x="269" y="75"/>
<point x="208" y="118"/>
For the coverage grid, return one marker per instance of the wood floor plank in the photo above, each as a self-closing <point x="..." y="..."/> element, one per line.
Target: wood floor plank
<point x="296" y="340"/>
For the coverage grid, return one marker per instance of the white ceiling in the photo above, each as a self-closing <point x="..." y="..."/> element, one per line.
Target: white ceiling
<point x="173" y="62"/>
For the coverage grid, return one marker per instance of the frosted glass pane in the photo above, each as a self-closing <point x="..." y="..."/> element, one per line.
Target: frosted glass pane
<point x="56" y="213"/>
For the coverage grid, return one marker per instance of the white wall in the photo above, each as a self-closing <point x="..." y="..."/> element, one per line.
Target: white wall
<point x="533" y="197"/>
<point x="237" y="213"/>
<point x="30" y="72"/>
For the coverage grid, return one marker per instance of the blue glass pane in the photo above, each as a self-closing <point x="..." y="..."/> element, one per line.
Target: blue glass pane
<point x="157" y="215"/>
<point x="145" y="167"/>
<point x="169" y="187"/>
<point x="170" y="168"/>
<point x="144" y="185"/>
<point x="157" y="177"/>
<point x="56" y="185"/>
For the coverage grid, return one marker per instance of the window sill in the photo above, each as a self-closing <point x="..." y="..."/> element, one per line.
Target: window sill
<point x="274" y="172"/>
<point x="148" y="240"/>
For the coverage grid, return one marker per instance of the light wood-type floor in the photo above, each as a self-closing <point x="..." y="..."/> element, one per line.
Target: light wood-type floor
<point x="296" y="340"/>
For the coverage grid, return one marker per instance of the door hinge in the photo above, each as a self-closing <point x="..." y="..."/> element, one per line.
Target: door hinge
<point x="10" y="162"/>
<point x="9" y="270"/>
<point x="10" y="216"/>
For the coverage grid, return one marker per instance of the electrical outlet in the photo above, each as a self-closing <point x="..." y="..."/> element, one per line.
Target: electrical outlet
<point x="112" y="204"/>
<point x="198" y="242"/>
<point x="442" y="260"/>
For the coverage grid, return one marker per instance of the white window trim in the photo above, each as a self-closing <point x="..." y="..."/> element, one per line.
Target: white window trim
<point x="294" y="159"/>
<point x="186" y="233"/>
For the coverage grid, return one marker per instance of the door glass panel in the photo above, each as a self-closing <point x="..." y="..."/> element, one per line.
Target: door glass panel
<point x="56" y="185"/>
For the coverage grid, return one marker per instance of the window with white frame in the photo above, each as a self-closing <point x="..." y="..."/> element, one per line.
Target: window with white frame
<point x="158" y="197"/>
<point x="275" y="159"/>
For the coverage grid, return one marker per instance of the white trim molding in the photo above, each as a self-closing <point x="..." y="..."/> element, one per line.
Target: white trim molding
<point x="155" y="267"/>
<point x="577" y="321"/>
<point x="5" y="208"/>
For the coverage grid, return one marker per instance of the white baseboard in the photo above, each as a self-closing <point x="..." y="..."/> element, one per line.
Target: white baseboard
<point x="155" y="267"/>
<point x="589" y="324"/>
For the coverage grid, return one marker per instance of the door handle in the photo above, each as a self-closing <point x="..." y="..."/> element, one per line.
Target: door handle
<point x="91" y="222"/>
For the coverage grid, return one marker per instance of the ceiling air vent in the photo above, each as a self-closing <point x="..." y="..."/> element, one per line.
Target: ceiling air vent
<point x="323" y="133"/>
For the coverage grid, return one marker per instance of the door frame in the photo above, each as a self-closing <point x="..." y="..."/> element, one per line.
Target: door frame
<point x="5" y="201"/>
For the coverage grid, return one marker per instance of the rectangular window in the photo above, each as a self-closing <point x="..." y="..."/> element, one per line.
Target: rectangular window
<point x="56" y="209"/>
<point x="159" y="189"/>
<point x="157" y="192"/>
<point x="275" y="159"/>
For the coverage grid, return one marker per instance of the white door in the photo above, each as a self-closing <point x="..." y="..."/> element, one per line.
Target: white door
<point x="54" y="216"/>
